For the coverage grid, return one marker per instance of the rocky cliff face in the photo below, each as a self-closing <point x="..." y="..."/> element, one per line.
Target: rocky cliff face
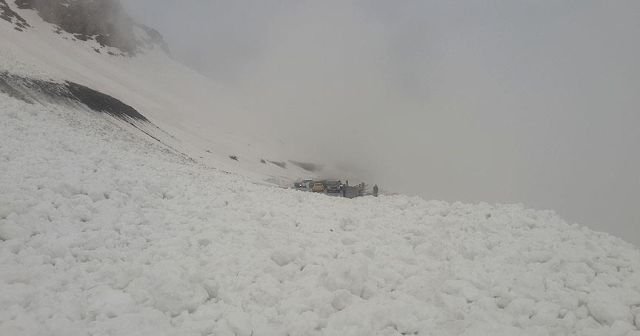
<point x="104" y="21"/>
<point x="9" y="15"/>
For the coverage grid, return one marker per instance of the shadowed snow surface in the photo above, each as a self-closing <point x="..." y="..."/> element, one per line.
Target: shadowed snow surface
<point x="104" y="232"/>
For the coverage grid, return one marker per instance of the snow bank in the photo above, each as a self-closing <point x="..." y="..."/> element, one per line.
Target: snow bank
<point x="105" y="233"/>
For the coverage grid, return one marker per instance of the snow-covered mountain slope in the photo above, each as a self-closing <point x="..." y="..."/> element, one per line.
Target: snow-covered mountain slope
<point x="103" y="231"/>
<point x="103" y="21"/>
<point x="121" y="213"/>
<point x="192" y="114"/>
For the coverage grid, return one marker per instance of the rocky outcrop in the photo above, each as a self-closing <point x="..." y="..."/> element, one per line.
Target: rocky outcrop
<point x="66" y="93"/>
<point x="104" y="21"/>
<point x="9" y="15"/>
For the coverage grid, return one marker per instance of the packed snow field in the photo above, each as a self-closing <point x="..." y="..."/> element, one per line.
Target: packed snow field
<point x="105" y="232"/>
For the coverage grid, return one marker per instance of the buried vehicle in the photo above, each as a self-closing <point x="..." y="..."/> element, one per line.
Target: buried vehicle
<point x="318" y="187"/>
<point x="304" y="185"/>
<point x="333" y="186"/>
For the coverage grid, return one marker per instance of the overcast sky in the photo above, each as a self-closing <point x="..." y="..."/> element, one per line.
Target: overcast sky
<point x="534" y="102"/>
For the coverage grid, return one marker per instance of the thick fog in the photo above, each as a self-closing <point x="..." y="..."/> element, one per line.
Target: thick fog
<point x="534" y="102"/>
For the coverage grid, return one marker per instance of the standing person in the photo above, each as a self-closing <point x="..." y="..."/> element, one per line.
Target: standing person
<point x="375" y="190"/>
<point x="344" y="188"/>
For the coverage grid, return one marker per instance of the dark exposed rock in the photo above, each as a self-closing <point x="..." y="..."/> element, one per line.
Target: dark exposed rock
<point x="69" y="93"/>
<point x="311" y="167"/>
<point x="8" y="86"/>
<point x="101" y="102"/>
<point x="104" y="21"/>
<point x="9" y="15"/>
<point x="282" y="165"/>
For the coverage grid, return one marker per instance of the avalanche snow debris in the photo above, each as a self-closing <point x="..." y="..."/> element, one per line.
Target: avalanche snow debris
<point x="103" y="232"/>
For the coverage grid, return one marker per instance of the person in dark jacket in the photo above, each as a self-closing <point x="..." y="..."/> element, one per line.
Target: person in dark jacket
<point x="375" y="190"/>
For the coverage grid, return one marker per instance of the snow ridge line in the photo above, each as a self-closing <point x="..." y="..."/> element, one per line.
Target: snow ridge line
<point x="74" y="95"/>
<point x="35" y="90"/>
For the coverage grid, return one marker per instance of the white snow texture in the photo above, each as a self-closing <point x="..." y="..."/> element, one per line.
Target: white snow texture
<point x="103" y="232"/>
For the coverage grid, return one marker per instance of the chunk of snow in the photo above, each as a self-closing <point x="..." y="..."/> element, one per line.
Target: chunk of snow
<point x="283" y="257"/>
<point x="240" y="323"/>
<point x="607" y="309"/>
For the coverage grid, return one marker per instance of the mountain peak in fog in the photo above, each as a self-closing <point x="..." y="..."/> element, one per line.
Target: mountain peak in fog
<point x="104" y="21"/>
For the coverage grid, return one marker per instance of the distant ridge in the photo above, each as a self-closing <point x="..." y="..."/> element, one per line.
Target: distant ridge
<point x="104" y="21"/>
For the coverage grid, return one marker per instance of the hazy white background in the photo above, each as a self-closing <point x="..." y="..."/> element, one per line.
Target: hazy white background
<point x="500" y="101"/>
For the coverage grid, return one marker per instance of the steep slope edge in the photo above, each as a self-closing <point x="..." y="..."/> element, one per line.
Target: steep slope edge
<point x="78" y="97"/>
<point x="68" y="93"/>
